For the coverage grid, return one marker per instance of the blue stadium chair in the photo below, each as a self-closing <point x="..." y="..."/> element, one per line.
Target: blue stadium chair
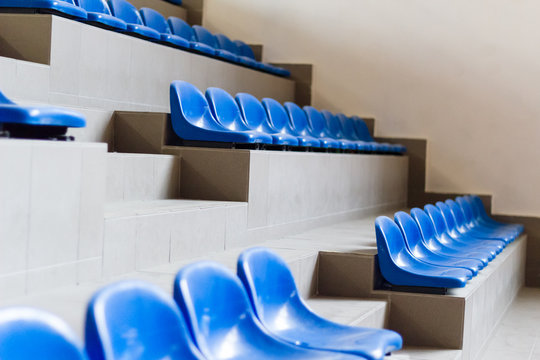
<point x="455" y="241"/>
<point x="319" y="129"/>
<point x="349" y="132"/>
<point x="125" y="11"/>
<point x="176" y="2"/>
<point x="440" y="244"/>
<point x="399" y="267"/>
<point x="300" y="125"/>
<point x="450" y="220"/>
<point x="225" y="110"/>
<point x="473" y="225"/>
<point x="222" y="321"/>
<point x="232" y="46"/>
<point x="204" y="36"/>
<point x="245" y="51"/>
<point x="181" y="28"/>
<point x="156" y="21"/>
<point x="413" y="239"/>
<point x="36" y="122"/>
<point x="192" y="118"/>
<point x="461" y="225"/>
<point x="256" y="119"/>
<point x="333" y="128"/>
<point x="275" y="70"/>
<point x="276" y="302"/>
<point x="61" y="7"/>
<point x="135" y="320"/>
<point x="363" y="133"/>
<point x="99" y="13"/>
<point x="480" y="216"/>
<point x="279" y="120"/>
<point x="27" y="333"/>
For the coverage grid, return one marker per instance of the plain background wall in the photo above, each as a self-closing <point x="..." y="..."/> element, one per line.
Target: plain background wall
<point x="464" y="74"/>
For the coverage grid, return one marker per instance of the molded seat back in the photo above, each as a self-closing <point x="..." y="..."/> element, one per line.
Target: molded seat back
<point x="316" y="121"/>
<point x="361" y="128"/>
<point x="437" y="218"/>
<point x="181" y="28"/>
<point x="96" y="6"/>
<point x="204" y="36"/>
<point x="391" y="244"/>
<point x="27" y="333"/>
<point x="4" y="100"/>
<point x="347" y="127"/>
<point x="124" y="10"/>
<point x="456" y="210"/>
<point x="448" y="216"/>
<point x="270" y="286"/>
<point x="277" y="116"/>
<point x="225" y="109"/>
<point x="136" y="320"/>
<point x="252" y="112"/>
<point x="298" y="119"/>
<point x="426" y="226"/>
<point x="244" y="49"/>
<point x="155" y="20"/>
<point x="219" y="311"/>
<point x="466" y="208"/>
<point x="410" y="231"/>
<point x="189" y="104"/>
<point x="225" y="43"/>
<point x="332" y="125"/>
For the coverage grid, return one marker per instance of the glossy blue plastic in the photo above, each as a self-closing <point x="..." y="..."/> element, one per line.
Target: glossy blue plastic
<point x="256" y="119"/>
<point x="225" y="110"/>
<point x="449" y="219"/>
<point x="125" y="11"/>
<point x="192" y="118"/>
<point x="28" y="333"/>
<point x="226" y="44"/>
<point x="399" y="267"/>
<point x="181" y="28"/>
<point x="482" y="217"/>
<point x="279" y="120"/>
<point x="299" y="124"/>
<point x="454" y="240"/>
<point x="11" y="113"/>
<point x="206" y="40"/>
<point x="63" y="7"/>
<point x="176" y="2"/>
<point x="235" y="48"/>
<point x="461" y="225"/>
<point x="473" y="224"/>
<point x="414" y="241"/>
<point x="156" y="21"/>
<point x="244" y="49"/>
<point x="137" y="321"/>
<point x="349" y="132"/>
<point x="363" y="133"/>
<point x="333" y="129"/>
<point x="222" y="320"/>
<point x="277" y="304"/>
<point x="98" y="12"/>
<point x="444" y="245"/>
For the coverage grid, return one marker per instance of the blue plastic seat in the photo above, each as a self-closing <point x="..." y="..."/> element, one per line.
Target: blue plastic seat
<point x="256" y="119"/>
<point x="474" y="226"/>
<point x="461" y="225"/>
<point x="28" y="333"/>
<point x="176" y="2"/>
<point x="349" y="133"/>
<point x="450" y="220"/>
<point x="414" y="241"/>
<point x="181" y="28"/>
<point x="333" y="128"/>
<point x="439" y="242"/>
<point x="125" y="11"/>
<point x="481" y="217"/>
<point x="204" y="36"/>
<point x="300" y="125"/>
<point x="279" y="120"/>
<point x="399" y="267"/>
<point x="363" y="134"/>
<point x="62" y="7"/>
<point x="137" y="321"/>
<point x="156" y="21"/>
<point x="36" y="121"/>
<point x="192" y="118"/>
<point x="244" y="49"/>
<point x="98" y="12"/>
<point x="453" y="239"/>
<point x="318" y="126"/>
<point x="222" y="320"/>
<point x="245" y="56"/>
<point x="277" y="304"/>
<point x="225" y="110"/>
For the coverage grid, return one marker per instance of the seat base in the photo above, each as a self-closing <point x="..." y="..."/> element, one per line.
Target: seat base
<point x="36" y="132"/>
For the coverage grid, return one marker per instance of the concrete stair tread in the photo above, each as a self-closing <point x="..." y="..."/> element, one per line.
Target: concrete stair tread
<point x="150" y="207"/>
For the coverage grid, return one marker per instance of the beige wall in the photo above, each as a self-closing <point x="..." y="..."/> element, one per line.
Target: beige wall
<point x="465" y="74"/>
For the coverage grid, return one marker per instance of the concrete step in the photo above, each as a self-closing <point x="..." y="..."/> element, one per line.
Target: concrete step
<point x="142" y="177"/>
